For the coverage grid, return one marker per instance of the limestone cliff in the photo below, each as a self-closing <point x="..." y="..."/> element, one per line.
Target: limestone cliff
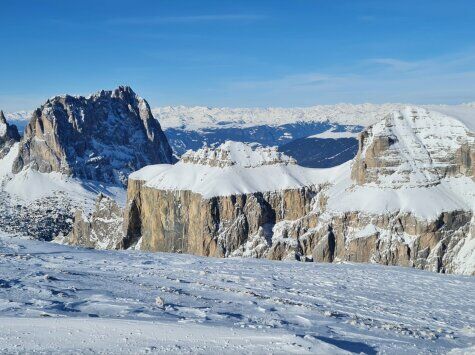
<point x="101" y="230"/>
<point x="214" y="200"/>
<point x="102" y="137"/>
<point x="185" y="221"/>
<point x="413" y="147"/>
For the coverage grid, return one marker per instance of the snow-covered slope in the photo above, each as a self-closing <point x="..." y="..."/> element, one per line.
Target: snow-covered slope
<point x="58" y="299"/>
<point x="230" y="169"/>
<point x="43" y="204"/>
<point x="464" y="113"/>
<point x="414" y="147"/>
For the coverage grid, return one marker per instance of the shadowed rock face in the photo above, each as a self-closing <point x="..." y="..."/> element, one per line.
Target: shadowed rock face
<point x="8" y="135"/>
<point x="102" y="137"/>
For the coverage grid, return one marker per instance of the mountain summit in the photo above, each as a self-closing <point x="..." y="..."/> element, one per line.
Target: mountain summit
<point x="8" y="135"/>
<point x="103" y="137"/>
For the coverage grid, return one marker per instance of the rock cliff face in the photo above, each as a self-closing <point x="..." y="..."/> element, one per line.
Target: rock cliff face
<point x="74" y="148"/>
<point x="200" y="220"/>
<point x="442" y="244"/>
<point x="408" y="198"/>
<point x="102" y="137"/>
<point x="184" y="221"/>
<point x="8" y="136"/>
<point x="101" y="230"/>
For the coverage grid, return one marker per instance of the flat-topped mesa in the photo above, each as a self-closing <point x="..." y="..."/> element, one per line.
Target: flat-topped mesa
<point x="230" y="169"/>
<point x="102" y="137"/>
<point x="8" y="135"/>
<point x="414" y="147"/>
<point x="236" y="153"/>
<point x="216" y="200"/>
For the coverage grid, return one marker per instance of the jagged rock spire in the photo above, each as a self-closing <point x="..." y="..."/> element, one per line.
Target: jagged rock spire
<point x="102" y="137"/>
<point x="2" y="118"/>
<point x="8" y="135"/>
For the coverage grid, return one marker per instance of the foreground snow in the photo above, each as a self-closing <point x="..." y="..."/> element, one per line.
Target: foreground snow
<point x="60" y="299"/>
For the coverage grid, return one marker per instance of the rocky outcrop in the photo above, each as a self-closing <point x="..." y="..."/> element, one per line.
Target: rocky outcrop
<point x="8" y="135"/>
<point x="103" y="137"/>
<point x="186" y="222"/>
<point x="236" y="154"/>
<point x="100" y="230"/>
<point x="389" y="239"/>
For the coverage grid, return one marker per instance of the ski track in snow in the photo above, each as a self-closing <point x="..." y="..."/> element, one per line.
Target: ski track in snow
<point x="62" y="299"/>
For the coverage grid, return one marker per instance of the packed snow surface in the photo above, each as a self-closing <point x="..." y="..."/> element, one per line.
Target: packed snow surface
<point x="215" y="181"/>
<point x="59" y="299"/>
<point x="451" y="194"/>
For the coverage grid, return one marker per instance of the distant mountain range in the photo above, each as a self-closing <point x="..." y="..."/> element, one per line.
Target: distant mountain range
<point x="294" y="130"/>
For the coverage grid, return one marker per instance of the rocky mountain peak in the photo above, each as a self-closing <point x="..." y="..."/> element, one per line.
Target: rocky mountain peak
<point x="8" y="135"/>
<point x="102" y="137"/>
<point x="3" y="120"/>
<point x="240" y="154"/>
<point x="413" y="147"/>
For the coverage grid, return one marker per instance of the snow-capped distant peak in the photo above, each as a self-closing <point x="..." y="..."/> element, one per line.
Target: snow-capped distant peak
<point x="201" y="117"/>
<point x="237" y="153"/>
<point x="334" y="135"/>
<point x="19" y="115"/>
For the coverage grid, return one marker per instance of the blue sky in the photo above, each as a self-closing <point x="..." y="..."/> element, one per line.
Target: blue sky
<point x="239" y="53"/>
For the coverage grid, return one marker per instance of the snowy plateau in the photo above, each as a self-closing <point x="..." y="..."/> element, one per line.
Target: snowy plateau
<point x="347" y="186"/>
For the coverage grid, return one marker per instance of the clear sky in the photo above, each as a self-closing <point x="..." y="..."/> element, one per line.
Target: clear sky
<point x="239" y="53"/>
